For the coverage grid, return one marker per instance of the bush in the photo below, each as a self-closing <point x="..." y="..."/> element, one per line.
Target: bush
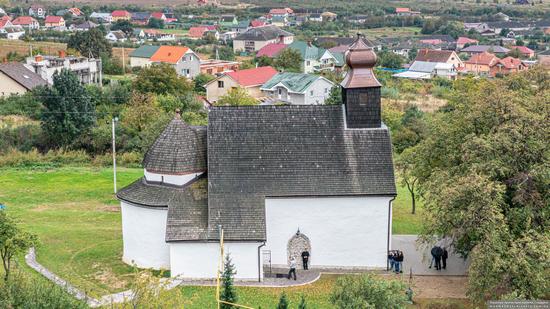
<point x="23" y="137"/>
<point x="367" y="291"/>
<point x="21" y="291"/>
<point x="440" y="92"/>
<point x="23" y="105"/>
<point x="390" y="93"/>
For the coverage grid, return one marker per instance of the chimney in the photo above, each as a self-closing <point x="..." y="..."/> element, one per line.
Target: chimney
<point x="360" y="88"/>
<point x="38" y="58"/>
<point x="61" y="54"/>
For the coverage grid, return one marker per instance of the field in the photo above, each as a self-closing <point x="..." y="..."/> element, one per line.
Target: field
<point x="77" y="218"/>
<point x="388" y="32"/>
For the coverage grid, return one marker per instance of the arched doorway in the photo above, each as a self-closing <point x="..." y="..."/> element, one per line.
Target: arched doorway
<point x="297" y="244"/>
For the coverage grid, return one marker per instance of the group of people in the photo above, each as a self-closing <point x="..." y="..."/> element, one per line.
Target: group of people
<point x="292" y="264"/>
<point x="395" y="257"/>
<point x="439" y="255"/>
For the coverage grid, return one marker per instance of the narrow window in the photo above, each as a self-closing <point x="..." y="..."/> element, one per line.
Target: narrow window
<point x="220" y="84"/>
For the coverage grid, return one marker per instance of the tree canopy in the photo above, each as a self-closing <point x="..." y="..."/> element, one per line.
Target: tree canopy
<point x="90" y="42"/>
<point x="236" y="97"/>
<point x="289" y="60"/>
<point x="162" y="79"/>
<point x="484" y="173"/>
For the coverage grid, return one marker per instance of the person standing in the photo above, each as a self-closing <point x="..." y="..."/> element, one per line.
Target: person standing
<point x="391" y="260"/>
<point x="305" y="259"/>
<point x="292" y="270"/>
<point x="444" y="258"/>
<point x="398" y="261"/>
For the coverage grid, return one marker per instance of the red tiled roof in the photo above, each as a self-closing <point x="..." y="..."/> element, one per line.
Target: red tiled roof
<point x="157" y="15"/>
<point x="281" y="11"/>
<point x="120" y="13"/>
<point x="464" y="40"/>
<point x="169" y="54"/>
<point x="253" y="77"/>
<point x="3" y="22"/>
<point x="197" y="32"/>
<point x="523" y="49"/>
<point x="402" y="10"/>
<point x="431" y="55"/>
<point x="53" y="19"/>
<point x="5" y="17"/>
<point x="484" y="58"/>
<point x="23" y="20"/>
<point x="511" y="62"/>
<point x="270" y="50"/>
<point x="75" y="11"/>
<point x="432" y="41"/>
<point x="257" y="23"/>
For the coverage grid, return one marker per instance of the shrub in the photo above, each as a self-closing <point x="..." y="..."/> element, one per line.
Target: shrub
<point x="440" y="92"/>
<point x="367" y="291"/>
<point x="23" y="137"/>
<point x="24" y="105"/>
<point x="390" y="93"/>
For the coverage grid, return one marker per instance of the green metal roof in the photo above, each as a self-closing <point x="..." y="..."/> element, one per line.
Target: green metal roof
<point x="295" y="82"/>
<point x="340" y="61"/>
<point x="144" y="51"/>
<point x="308" y="52"/>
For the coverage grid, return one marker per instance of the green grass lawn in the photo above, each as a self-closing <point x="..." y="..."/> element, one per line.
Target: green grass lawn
<point x="77" y="219"/>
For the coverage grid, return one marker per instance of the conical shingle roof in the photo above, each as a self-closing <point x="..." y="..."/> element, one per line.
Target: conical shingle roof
<point x="180" y="149"/>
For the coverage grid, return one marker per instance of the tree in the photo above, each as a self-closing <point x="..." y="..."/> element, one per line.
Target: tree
<point x="412" y="54"/>
<point x="264" y="61"/>
<point x="483" y="174"/>
<point x="68" y="109"/>
<point x="283" y="302"/>
<point x="142" y="109"/>
<point x="228" y="290"/>
<point x="91" y="42"/>
<point x="390" y="60"/>
<point x="404" y="164"/>
<point x="13" y="241"/>
<point x="201" y="80"/>
<point x="156" y="23"/>
<point x="124" y="26"/>
<point x="335" y="96"/>
<point x="162" y="79"/>
<point x="289" y="60"/>
<point x="367" y="291"/>
<point x="236" y="97"/>
<point x="224" y="53"/>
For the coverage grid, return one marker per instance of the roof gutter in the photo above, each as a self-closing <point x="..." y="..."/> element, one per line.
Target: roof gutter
<point x="389" y="231"/>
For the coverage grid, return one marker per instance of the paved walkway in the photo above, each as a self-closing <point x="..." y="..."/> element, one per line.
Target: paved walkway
<point x="418" y="258"/>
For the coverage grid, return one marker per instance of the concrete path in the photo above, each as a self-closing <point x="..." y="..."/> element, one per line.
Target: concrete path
<point x="418" y="258"/>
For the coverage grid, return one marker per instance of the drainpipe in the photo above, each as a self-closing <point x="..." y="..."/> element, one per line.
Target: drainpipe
<point x="259" y="263"/>
<point x="389" y="232"/>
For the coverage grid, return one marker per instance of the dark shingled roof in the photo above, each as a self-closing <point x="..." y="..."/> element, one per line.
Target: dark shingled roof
<point x="259" y="151"/>
<point x="146" y="194"/>
<point x="263" y="33"/>
<point x="188" y="213"/>
<point x="23" y="76"/>
<point x="180" y="149"/>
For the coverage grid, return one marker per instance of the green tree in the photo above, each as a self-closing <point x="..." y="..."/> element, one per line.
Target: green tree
<point x="283" y="302"/>
<point x="367" y="291"/>
<point x="264" y="61"/>
<point x="162" y="79"/>
<point x="404" y="164"/>
<point x="224" y="53"/>
<point x="236" y="97"/>
<point x="124" y="26"/>
<point x="483" y="173"/>
<point x="289" y="60"/>
<point x="228" y="294"/>
<point x="390" y="60"/>
<point x="90" y="42"/>
<point x="335" y="96"/>
<point x="68" y="110"/>
<point x="156" y="23"/>
<point x="201" y="80"/>
<point x="13" y="241"/>
<point x="141" y="110"/>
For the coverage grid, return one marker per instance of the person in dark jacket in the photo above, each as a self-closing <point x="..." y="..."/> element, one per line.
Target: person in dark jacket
<point x="391" y="259"/>
<point x="399" y="261"/>
<point x="305" y="259"/>
<point x="444" y="258"/>
<point x="437" y="252"/>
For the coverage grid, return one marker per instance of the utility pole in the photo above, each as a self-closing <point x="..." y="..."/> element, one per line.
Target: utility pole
<point x="115" y="120"/>
<point x="123" y="61"/>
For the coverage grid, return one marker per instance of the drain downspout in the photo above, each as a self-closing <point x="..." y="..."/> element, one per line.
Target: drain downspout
<point x="389" y="232"/>
<point x="259" y="263"/>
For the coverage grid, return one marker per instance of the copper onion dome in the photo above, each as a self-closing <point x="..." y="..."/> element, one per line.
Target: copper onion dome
<point x="360" y="59"/>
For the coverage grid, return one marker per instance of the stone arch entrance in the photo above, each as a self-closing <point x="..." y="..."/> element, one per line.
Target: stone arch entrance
<point x="297" y="244"/>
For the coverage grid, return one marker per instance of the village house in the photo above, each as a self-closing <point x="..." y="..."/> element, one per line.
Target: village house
<point x="358" y="19"/>
<point x="140" y="18"/>
<point x="297" y="88"/>
<point x="241" y="26"/>
<point x="256" y="38"/>
<point x="487" y="64"/>
<point x="271" y="50"/>
<point x="511" y="65"/>
<point x="317" y="17"/>
<point x="156" y="35"/>
<point x="428" y="70"/>
<point x="257" y="23"/>
<point x="84" y="26"/>
<point x="159" y="15"/>
<point x="15" y="78"/>
<point x="182" y="58"/>
<point x="315" y="59"/>
<point x="11" y="33"/>
<point x="120" y="15"/>
<point x="250" y="80"/>
<point x="87" y="70"/>
<point x="116" y="36"/>
<point x="54" y="22"/>
<point x="441" y="56"/>
<point x="525" y="51"/>
<point x="228" y="21"/>
<point x="37" y="10"/>
<point x="405" y="12"/>
<point x="141" y="56"/>
<point x="103" y="18"/>
<point x="197" y="32"/>
<point x="462" y="41"/>
<point x="329" y="16"/>
<point x="478" y="49"/>
<point x="284" y="12"/>
<point x="26" y="22"/>
<point x="279" y="21"/>
<point x="218" y="67"/>
<point x="258" y="191"/>
<point x="73" y="12"/>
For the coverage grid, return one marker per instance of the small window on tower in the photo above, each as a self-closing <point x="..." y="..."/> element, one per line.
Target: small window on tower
<point x="220" y="84"/>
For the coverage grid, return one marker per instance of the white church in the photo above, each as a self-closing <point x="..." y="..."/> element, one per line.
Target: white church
<point x="277" y="179"/>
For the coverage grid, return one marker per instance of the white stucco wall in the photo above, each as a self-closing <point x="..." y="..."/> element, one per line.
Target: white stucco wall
<point x="200" y="259"/>
<point x="321" y="91"/>
<point x="143" y="232"/>
<point x="345" y="232"/>
<point x="139" y="62"/>
<point x="178" y="180"/>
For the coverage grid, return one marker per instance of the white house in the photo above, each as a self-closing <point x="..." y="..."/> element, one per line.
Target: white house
<point x="281" y="180"/>
<point x="116" y="36"/>
<point x="101" y="17"/>
<point x="315" y="59"/>
<point x="12" y="33"/>
<point x="427" y="70"/>
<point x="257" y="37"/>
<point x="297" y="88"/>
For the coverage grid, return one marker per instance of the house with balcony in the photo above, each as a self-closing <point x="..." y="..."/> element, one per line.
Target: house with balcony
<point x="87" y="70"/>
<point x="315" y="59"/>
<point x="297" y="89"/>
<point x="218" y="67"/>
<point x="117" y="15"/>
<point x="37" y="10"/>
<point x="255" y="38"/>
